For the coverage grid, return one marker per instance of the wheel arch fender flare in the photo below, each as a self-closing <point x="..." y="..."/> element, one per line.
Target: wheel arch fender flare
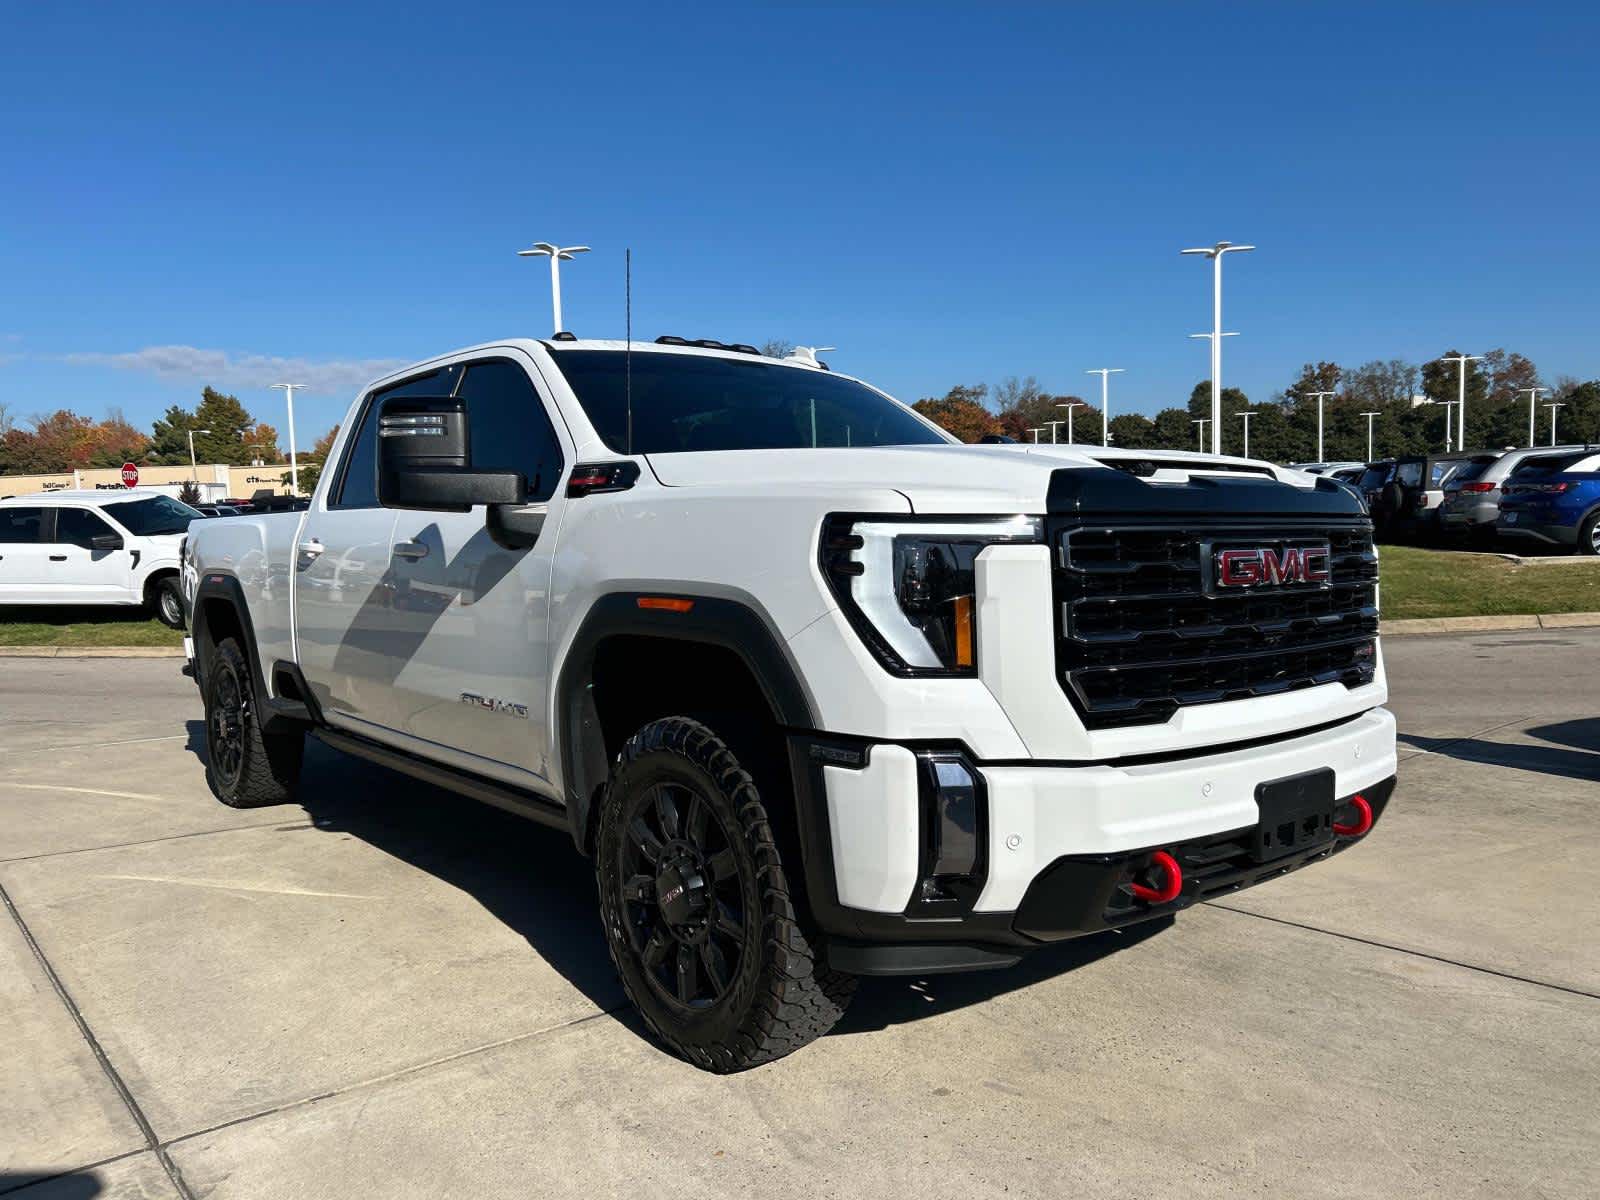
<point x="216" y="588"/>
<point x="713" y="620"/>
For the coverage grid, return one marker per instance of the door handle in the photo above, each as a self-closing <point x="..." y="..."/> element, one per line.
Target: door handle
<point x="58" y="558"/>
<point x="312" y="547"/>
<point x="411" y="550"/>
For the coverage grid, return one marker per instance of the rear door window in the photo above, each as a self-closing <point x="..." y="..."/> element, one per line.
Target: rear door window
<point x="1410" y="474"/>
<point x="20" y="524"/>
<point x="507" y="425"/>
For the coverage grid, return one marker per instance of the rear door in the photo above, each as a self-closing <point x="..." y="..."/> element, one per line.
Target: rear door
<point x="22" y="554"/>
<point x="347" y="608"/>
<point x="83" y="574"/>
<point x="472" y="615"/>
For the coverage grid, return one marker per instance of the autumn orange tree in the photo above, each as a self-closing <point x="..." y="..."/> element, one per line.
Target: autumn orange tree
<point x="960" y="413"/>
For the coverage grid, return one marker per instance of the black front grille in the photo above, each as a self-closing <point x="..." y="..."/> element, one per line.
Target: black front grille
<point x="1142" y="629"/>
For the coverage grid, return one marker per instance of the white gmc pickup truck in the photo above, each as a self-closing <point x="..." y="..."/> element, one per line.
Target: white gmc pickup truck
<point x="821" y="692"/>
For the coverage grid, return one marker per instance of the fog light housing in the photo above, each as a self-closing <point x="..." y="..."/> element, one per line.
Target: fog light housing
<point x="954" y="810"/>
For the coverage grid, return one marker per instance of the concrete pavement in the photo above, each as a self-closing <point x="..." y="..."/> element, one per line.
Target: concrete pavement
<point x="390" y="991"/>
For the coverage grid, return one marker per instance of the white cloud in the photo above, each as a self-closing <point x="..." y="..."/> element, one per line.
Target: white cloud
<point x="224" y="369"/>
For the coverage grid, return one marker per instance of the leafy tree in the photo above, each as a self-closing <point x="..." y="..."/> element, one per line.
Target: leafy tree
<point x="1133" y="431"/>
<point x="1173" y="429"/>
<point x="228" y="427"/>
<point x="1381" y="383"/>
<point x="116" y="441"/>
<point x="310" y="472"/>
<point x="959" y="414"/>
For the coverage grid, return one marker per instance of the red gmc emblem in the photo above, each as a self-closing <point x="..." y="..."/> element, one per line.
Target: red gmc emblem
<point x="1262" y="566"/>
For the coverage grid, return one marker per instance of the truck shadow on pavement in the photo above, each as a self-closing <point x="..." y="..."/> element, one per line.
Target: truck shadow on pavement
<point x="50" y="1185"/>
<point x="533" y="880"/>
<point x="1573" y="752"/>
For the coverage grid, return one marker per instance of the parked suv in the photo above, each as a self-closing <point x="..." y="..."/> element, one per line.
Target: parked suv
<point x="1472" y="494"/>
<point x="1404" y="494"/>
<point x="1555" y="500"/>
<point x="823" y="692"/>
<point x="94" y="547"/>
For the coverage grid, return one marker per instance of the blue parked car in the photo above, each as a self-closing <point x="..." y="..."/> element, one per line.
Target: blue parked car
<point x="1555" y="499"/>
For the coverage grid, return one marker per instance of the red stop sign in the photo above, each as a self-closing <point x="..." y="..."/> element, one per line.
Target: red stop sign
<point x="130" y="475"/>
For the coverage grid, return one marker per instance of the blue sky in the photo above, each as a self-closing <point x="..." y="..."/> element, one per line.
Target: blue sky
<point x="948" y="194"/>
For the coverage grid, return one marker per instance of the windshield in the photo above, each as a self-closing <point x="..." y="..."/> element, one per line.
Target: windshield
<point x="153" y="515"/>
<point x="687" y="402"/>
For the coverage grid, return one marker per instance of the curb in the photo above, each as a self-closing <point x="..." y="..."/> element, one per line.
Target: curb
<point x="1435" y="625"/>
<point x="91" y="651"/>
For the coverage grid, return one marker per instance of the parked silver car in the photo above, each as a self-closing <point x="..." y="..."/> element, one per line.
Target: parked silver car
<point x="1472" y="494"/>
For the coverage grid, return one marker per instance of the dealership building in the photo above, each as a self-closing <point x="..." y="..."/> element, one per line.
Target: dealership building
<point x="216" y="481"/>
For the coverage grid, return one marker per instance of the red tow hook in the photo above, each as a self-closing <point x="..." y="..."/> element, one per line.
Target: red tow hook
<point x="1363" y="818"/>
<point x="1168" y="891"/>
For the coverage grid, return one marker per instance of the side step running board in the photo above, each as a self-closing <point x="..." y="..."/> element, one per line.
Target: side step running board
<point x="489" y="791"/>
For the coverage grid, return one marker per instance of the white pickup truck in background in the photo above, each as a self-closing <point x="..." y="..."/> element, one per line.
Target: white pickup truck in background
<point x="94" y="547"/>
<point x="821" y="692"/>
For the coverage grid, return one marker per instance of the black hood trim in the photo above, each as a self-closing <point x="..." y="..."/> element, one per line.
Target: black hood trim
<point x="1095" y="491"/>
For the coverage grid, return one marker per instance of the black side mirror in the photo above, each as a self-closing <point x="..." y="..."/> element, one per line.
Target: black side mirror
<point x="106" y="541"/>
<point x="424" y="459"/>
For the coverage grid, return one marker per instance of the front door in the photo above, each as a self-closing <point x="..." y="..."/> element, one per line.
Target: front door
<point x="84" y="574"/>
<point x="349" y="643"/>
<point x="472" y="614"/>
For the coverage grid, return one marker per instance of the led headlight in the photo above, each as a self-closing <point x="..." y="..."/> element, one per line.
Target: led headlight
<point x="908" y="587"/>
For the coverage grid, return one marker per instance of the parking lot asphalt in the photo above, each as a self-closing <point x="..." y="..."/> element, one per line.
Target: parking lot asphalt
<point x="387" y="991"/>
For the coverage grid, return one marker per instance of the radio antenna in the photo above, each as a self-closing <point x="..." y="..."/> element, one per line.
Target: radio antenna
<point x="627" y="323"/>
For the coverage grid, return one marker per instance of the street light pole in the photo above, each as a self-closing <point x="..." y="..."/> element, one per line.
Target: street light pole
<point x="1319" y="397"/>
<point x="1069" y="405"/>
<point x="1369" y="416"/>
<point x="1202" y="422"/>
<point x="194" y="470"/>
<point x="1215" y="253"/>
<point x="288" y="390"/>
<point x="1054" y="425"/>
<point x="1246" y="418"/>
<point x="1552" y="408"/>
<point x="1105" y="374"/>
<point x="1461" y="360"/>
<point x="1033" y="429"/>
<point x="1533" y="395"/>
<point x="557" y="255"/>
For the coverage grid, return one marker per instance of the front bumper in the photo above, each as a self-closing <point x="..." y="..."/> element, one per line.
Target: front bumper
<point x="1059" y="842"/>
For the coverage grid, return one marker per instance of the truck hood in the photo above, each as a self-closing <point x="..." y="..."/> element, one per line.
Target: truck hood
<point x="1003" y="478"/>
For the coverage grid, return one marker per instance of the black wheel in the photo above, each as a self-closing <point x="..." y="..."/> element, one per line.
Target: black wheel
<point x="697" y="907"/>
<point x="245" y="767"/>
<point x="166" y="601"/>
<point x="1589" y="535"/>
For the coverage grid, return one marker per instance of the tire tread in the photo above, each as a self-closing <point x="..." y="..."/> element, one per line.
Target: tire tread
<point x="799" y="997"/>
